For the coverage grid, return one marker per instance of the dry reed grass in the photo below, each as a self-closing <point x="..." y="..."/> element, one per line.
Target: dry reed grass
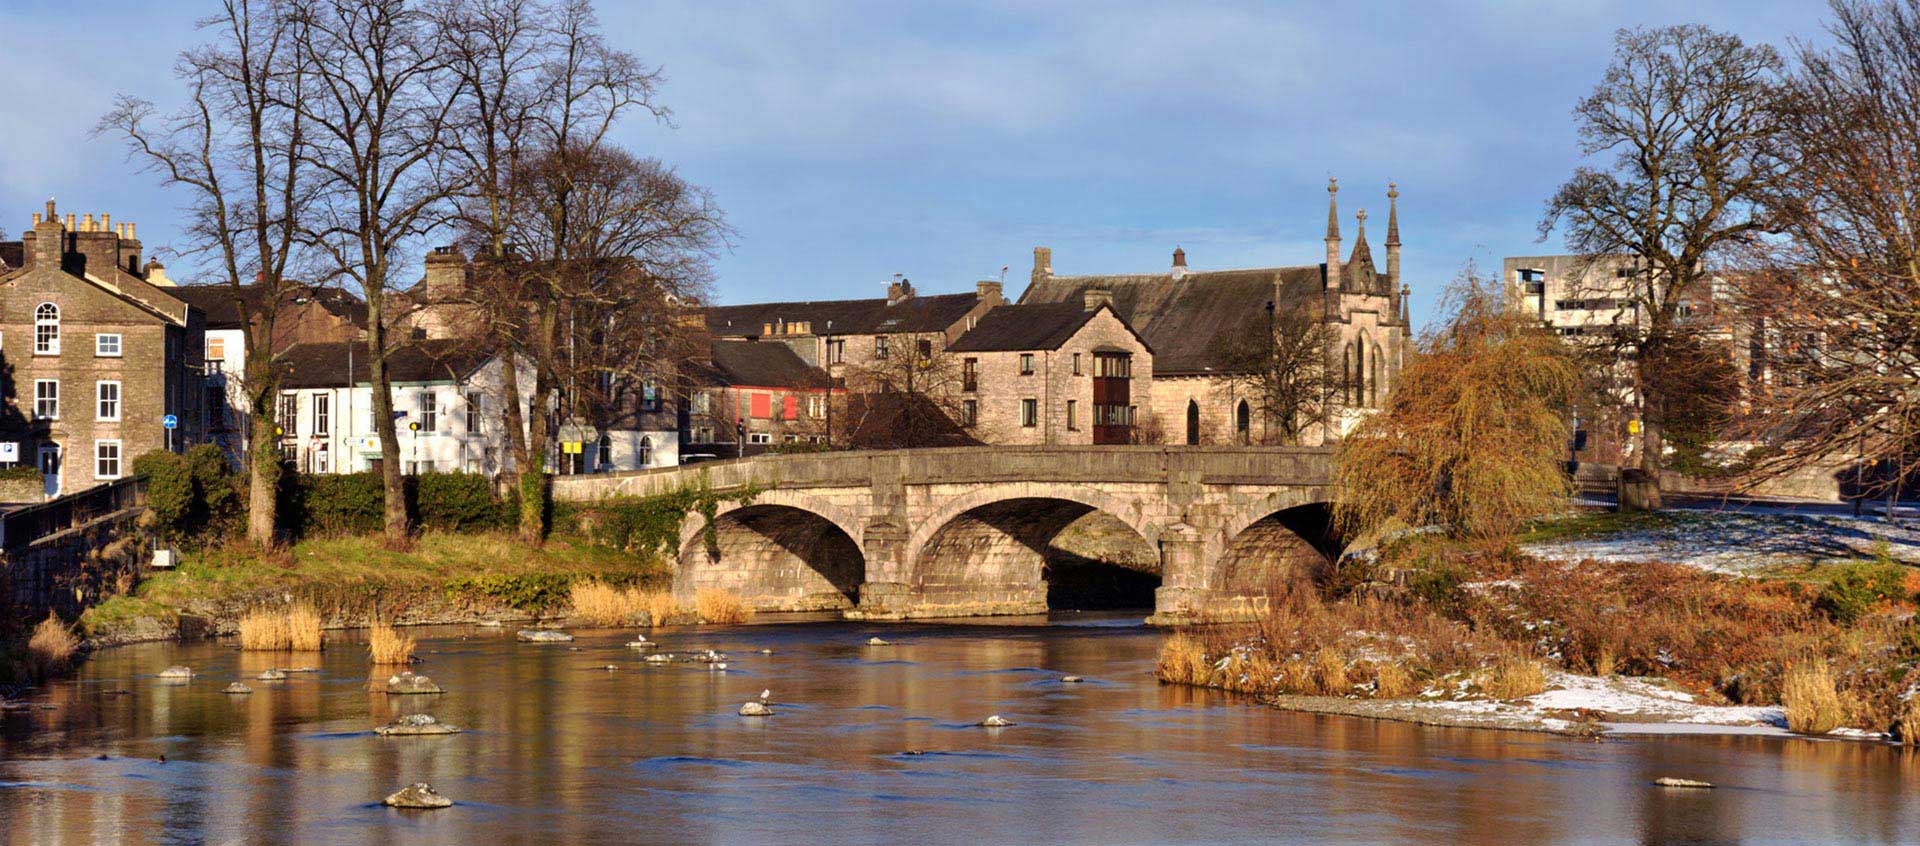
<point x="1392" y="681"/>
<point x="1513" y="677"/>
<point x="1813" y="701"/>
<point x="660" y="608"/>
<point x="719" y="606"/>
<point x="1906" y="726"/>
<point x="1183" y="660"/>
<point x="597" y="603"/>
<point x="296" y="628"/>
<point x="387" y="645"/>
<point x="52" y="646"/>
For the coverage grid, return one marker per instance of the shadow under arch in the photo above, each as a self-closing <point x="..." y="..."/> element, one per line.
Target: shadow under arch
<point x="1026" y="554"/>
<point x="1299" y="540"/>
<point x="776" y="556"/>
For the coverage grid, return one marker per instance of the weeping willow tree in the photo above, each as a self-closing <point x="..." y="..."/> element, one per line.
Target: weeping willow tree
<point x="1474" y="433"/>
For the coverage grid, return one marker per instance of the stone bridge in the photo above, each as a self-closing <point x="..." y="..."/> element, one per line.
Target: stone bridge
<point x="999" y="530"/>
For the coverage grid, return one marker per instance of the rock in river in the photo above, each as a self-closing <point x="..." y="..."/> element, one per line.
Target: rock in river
<point x="1669" y="781"/>
<point x="410" y="682"/>
<point x="237" y="687"/>
<point x="995" y="721"/>
<point x="755" y="709"/>
<point x="412" y="724"/>
<point x="543" y="636"/>
<point x="273" y="675"/>
<point x="874" y="641"/>
<point x="1071" y="679"/>
<point x="177" y="673"/>
<point x="417" y="795"/>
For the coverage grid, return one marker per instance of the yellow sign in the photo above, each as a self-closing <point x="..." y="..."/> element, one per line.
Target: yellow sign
<point x="1633" y="427"/>
<point x="571" y="447"/>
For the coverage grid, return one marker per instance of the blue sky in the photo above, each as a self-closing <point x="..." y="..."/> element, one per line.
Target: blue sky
<point x="851" y="141"/>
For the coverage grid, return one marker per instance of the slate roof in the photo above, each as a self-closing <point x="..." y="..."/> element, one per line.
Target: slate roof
<point x="221" y="303"/>
<point x="324" y="365"/>
<point x="1191" y="322"/>
<point x="845" y="317"/>
<point x="1030" y="326"/>
<point x="764" y="364"/>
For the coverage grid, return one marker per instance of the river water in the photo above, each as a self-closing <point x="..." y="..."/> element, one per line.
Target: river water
<point x="560" y="750"/>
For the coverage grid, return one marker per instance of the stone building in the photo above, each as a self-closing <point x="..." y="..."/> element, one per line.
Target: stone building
<point x="843" y="336"/>
<point x="1054" y="373"/>
<point x="94" y="355"/>
<point x="751" y="396"/>
<point x="1196" y="321"/>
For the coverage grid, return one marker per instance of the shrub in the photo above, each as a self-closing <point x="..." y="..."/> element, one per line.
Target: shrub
<point x="1813" y="702"/>
<point x="1183" y="660"/>
<point x="332" y="504"/>
<point x="531" y="592"/>
<point x="52" y="647"/>
<point x="720" y="606"/>
<point x="1856" y="588"/>
<point x="170" y="497"/>
<point x="387" y="646"/>
<point x="457" y="502"/>
<point x="303" y="627"/>
<point x="597" y="603"/>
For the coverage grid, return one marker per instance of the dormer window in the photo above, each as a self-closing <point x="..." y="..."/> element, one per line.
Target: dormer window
<point x="46" y="329"/>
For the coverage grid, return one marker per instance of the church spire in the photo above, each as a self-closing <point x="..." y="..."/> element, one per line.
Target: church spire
<point x="1362" y="259"/>
<point x="1333" y="232"/>
<point x="1393" y="234"/>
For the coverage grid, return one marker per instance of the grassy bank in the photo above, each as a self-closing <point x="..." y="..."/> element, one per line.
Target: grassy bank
<point x="1429" y="619"/>
<point x="353" y="580"/>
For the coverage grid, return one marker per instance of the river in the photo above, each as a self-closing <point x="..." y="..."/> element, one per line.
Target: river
<point x="868" y="745"/>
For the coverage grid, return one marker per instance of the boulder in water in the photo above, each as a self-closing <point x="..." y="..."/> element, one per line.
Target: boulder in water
<point x="1071" y="679"/>
<point x="417" y="795"/>
<point x="409" y="682"/>
<point x="236" y="687"/>
<point x="874" y="641"/>
<point x="659" y="658"/>
<point x="177" y="673"/>
<point x="273" y="675"/>
<point x="413" y="724"/>
<point x="1669" y="781"/>
<point x="488" y="624"/>
<point x="543" y="636"/>
<point x="995" y="721"/>
<point x="755" y="709"/>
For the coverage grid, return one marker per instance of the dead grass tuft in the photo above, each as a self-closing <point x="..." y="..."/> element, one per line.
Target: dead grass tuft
<point x="387" y="645"/>
<point x="722" y="607"/>
<point x="1330" y="673"/>
<point x="660" y="608"/>
<point x="52" y="646"/>
<point x="1906" y="727"/>
<point x="1392" y="681"/>
<point x="304" y="627"/>
<point x="597" y="603"/>
<point x="1513" y="677"/>
<point x="1813" y="701"/>
<point x="1183" y="660"/>
<point x="294" y="628"/>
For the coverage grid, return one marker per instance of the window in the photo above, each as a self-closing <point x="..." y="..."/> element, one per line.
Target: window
<point x="761" y="406"/>
<point x="289" y="418"/>
<point x="473" y="412"/>
<point x="108" y="395"/>
<point x="1243" y="422"/>
<point x="1026" y="364"/>
<point x="107" y="345"/>
<point x="1073" y="422"/>
<point x="318" y="461"/>
<point x="429" y="411"/>
<point x="970" y="412"/>
<point x="606" y="385"/>
<point x="106" y="459"/>
<point x="924" y="348"/>
<point x="216" y="348"/>
<point x="816" y="407"/>
<point x="880" y="347"/>
<point x="604" y="451"/>
<point x="702" y="403"/>
<point x="1110" y="365"/>
<point x="1076" y="364"/>
<point x="836" y="351"/>
<point x="650" y="397"/>
<point x="46" y="399"/>
<point x="970" y="374"/>
<point x="759" y="438"/>
<point x="1029" y="412"/>
<point x="646" y="451"/>
<point x="46" y="329"/>
<point x="322" y="416"/>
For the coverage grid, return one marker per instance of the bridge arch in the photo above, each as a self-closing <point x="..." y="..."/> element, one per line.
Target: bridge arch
<point x="783" y="551"/>
<point x="1282" y="537"/>
<point x="1024" y="548"/>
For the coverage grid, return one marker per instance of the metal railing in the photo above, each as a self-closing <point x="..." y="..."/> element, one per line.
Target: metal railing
<point x="25" y="526"/>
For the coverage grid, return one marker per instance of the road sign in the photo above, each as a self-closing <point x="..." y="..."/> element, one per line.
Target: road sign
<point x="169" y="422"/>
<point x="413" y="427"/>
<point x="571" y="447"/>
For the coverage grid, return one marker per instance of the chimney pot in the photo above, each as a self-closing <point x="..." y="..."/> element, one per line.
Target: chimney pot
<point x="36" y="218"/>
<point x="106" y="222"/>
<point x="1179" y="257"/>
<point x="69" y="221"/>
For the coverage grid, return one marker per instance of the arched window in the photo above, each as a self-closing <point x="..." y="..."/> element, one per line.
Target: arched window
<point x="605" y="448"/>
<point x="1373" y="379"/>
<point x="1349" y="377"/>
<point x="46" y="329"/>
<point x="646" y="451"/>
<point x="1243" y="422"/>
<point x="1193" y="422"/>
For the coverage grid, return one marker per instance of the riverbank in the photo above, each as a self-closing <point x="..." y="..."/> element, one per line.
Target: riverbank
<point x="443" y="577"/>
<point x="1432" y="631"/>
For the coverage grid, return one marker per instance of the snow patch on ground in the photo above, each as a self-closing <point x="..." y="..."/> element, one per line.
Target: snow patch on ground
<point x="1748" y="540"/>
<point x="1645" y="700"/>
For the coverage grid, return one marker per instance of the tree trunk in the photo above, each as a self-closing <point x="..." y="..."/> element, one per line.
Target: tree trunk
<point x="534" y="491"/>
<point x="263" y="471"/>
<point x="398" y="529"/>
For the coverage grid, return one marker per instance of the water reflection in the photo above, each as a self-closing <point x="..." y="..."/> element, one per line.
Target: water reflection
<point x="868" y="745"/>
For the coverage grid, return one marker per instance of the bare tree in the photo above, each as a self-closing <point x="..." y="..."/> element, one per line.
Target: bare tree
<point x="1686" y="115"/>
<point x="380" y="107"/>
<point x="1284" y="367"/>
<point x="1838" y="309"/>
<point x="237" y="148"/>
<point x="912" y="396"/>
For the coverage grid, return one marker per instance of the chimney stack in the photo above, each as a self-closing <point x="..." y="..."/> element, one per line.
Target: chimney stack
<point x="446" y="273"/>
<point x="1097" y="297"/>
<point x="1042" y="263"/>
<point x="1179" y="262"/>
<point x="49" y="240"/>
<point x="900" y="290"/>
<point x="990" y="291"/>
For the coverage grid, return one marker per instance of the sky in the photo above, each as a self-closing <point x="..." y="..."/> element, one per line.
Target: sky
<point x="848" y="142"/>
